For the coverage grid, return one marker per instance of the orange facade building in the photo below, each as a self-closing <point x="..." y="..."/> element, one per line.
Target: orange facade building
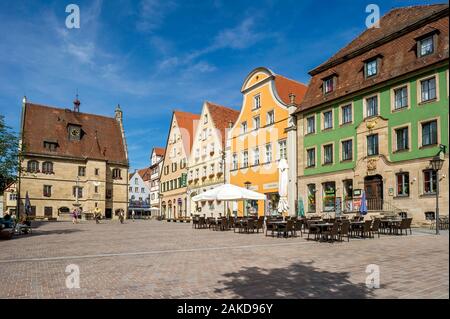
<point x="263" y="134"/>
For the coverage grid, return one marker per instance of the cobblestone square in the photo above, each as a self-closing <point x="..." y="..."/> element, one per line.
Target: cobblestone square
<point x="152" y="259"/>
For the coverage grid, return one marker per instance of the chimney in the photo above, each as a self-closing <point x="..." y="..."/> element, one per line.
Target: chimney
<point x="292" y="98"/>
<point x="76" y="104"/>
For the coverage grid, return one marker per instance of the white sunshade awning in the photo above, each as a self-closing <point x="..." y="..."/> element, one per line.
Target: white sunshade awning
<point x="228" y="192"/>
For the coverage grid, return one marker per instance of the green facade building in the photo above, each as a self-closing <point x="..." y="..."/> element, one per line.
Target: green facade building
<point x="374" y="115"/>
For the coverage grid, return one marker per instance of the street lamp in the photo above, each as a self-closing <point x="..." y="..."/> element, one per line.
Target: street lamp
<point x="436" y="166"/>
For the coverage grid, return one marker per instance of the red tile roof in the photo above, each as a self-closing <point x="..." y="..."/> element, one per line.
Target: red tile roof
<point x="159" y="151"/>
<point x="221" y="117"/>
<point x="394" y="42"/>
<point x="391" y="23"/>
<point x="101" y="136"/>
<point x="145" y="173"/>
<point x="187" y="122"/>
<point x="285" y="87"/>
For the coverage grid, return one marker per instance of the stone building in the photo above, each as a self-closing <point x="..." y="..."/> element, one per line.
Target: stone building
<point x="374" y="115"/>
<point x="174" y="175"/>
<point x="72" y="159"/>
<point x="207" y="160"/>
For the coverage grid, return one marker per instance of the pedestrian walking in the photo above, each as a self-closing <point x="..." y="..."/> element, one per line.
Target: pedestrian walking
<point x="132" y="214"/>
<point x="121" y="216"/>
<point x="97" y="215"/>
<point x="74" y="216"/>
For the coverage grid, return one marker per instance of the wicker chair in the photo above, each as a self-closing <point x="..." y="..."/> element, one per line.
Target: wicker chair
<point x="313" y="230"/>
<point x="298" y="227"/>
<point x="405" y="224"/>
<point x="333" y="233"/>
<point x="367" y="229"/>
<point x="260" y="224"/>
<point x="376" y="227"/>
<point x="344" y="230"/>
<point x="287" y="228"/>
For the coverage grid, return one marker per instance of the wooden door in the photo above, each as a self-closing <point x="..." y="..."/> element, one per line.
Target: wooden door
<point x="373" y="187"/>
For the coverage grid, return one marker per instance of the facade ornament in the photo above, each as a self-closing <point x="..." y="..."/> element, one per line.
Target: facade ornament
<point x="371" y="124"/>
<point x="372" y="164"/>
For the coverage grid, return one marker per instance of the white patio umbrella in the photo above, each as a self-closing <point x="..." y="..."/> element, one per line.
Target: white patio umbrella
<point x="283" y="180"/>
<point x="228" y="192"/>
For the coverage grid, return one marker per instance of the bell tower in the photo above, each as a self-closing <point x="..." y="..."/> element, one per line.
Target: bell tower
<point x="76" y="104"/>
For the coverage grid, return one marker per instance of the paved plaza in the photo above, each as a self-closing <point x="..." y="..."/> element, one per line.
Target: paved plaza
<point x="152" y="259"/>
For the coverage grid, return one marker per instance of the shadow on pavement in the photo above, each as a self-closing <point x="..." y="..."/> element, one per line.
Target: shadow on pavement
<point x="299" y="280"/>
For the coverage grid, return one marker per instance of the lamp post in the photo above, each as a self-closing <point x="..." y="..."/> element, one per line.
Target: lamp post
<point x="436" y="165"/>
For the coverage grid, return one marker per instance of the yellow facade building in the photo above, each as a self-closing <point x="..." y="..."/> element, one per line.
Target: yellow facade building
<point x="262" y="135"/>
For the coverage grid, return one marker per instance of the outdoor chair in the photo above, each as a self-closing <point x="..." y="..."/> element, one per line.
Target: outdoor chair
<point x="376" y="227"/>
<point x="202" y="223"/>
<point x="367" y="229"/>
<point x="270" y="227"/>
<point x="344" y="230"/>
<point x="332" y="234"/>
<point x="313" y="230"/>
<point x="285" y="229"/>
<point x="238" y="225"/>
<point x="250" y="226"/>
<point x="298" y="227"/>
<point x="405" y="224"/>
<point x="443" y="223"/>
<point x="195" y="222"/>
<point x="260" y="224"/>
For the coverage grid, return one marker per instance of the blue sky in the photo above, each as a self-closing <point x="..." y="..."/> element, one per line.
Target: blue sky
<point x="153" y="56"/>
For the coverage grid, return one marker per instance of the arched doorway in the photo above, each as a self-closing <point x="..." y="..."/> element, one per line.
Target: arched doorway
<point x="373" y="186"/>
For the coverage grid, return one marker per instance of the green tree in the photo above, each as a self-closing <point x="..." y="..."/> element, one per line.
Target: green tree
<point x="9" y="147"/>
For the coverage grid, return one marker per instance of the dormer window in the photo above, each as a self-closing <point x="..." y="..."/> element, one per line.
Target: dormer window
<point x="426" y="46"/>
<point x="328" y="85"/>
<point x="74" y="132"/>
<point x="50" y="146"/>
<point x="205" y="119"/>
<point x="371" y="68"/>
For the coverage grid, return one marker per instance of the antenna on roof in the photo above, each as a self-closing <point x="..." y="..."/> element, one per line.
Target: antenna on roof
<point x="76" y="104"/>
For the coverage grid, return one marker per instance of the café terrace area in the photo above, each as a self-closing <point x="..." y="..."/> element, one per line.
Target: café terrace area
<point x="160" y="259"/>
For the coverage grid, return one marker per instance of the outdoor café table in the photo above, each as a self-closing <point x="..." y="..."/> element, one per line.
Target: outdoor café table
<point x="277" y="223"/>
<point x="322" y="227"/>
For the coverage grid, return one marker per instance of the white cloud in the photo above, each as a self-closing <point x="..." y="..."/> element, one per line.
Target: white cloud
<point x="152" y="14"/>
<point x="240" y="37"/>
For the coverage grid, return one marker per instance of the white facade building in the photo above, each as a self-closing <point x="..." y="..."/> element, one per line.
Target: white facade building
<point x="139" y="193"/>
<point x="206" y="166"/>
<point x="156" y="160"/>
